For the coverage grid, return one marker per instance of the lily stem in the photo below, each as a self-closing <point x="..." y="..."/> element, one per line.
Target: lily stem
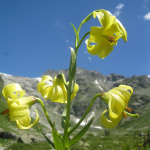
<point x="85" y="114"/>
<point x="47" y="116"/>
<point x="66" y="137"/>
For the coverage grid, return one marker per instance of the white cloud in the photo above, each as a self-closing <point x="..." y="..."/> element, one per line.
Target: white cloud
<point x="118" y="9"/>
<point x="67" y="41"/>
<point x="120" y="6"/>
<point x="85" y="52"/>
<point x="89" y="58"/>
<point x="147" y="16"/>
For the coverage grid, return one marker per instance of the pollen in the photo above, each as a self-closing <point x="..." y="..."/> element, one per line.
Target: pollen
<point x="129" y="109"/>
<point x="111" y="39"/>
<point x="124" y="115"/>
<point x="5" y="112"/>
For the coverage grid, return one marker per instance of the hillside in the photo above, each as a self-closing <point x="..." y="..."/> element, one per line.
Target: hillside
<point x="90" y="83"/>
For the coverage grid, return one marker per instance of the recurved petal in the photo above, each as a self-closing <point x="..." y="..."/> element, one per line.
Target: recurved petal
<point x="107" y="123"/>
<point x="13" y="90"/>
<point x="94" y="49"/>
<point x="47" y="78"/>
<point x="76" y="88"/>
<point x="123" y="30"/>
<point x="104" y="18"/>
<point x="24" y="123"/>
<point x="95" y="34"/>
<point x="16" y="111"/>
<point x="116" y="107"/>
<point x="57" y="95"/>
<point x="106" y="48"/>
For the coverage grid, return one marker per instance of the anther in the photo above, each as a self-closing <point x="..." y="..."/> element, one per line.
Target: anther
<point x="129" y="109"/>
<point x="111" y="39"/>
<point x="124" y="115"/>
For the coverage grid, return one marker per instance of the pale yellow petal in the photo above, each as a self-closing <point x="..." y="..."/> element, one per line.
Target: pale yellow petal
<point x="21" y="126"/>
<point x="47" y="78"/>
<point x="13" y="90"/>
<point x="104" y="18"/>
<point x="113" y="29"/>
<point x="123" y="30"/>
<point x="94" y="49"/>
<point x="57" y="95"/>
<point x="96" y="34"/>
<point x="116" y="107"/>
<point x="107" y="123"/>
<point x="16" y="111"/>
<point x="106" y="48"/>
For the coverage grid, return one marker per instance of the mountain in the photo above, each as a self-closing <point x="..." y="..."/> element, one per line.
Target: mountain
<point x="90" y="83"/>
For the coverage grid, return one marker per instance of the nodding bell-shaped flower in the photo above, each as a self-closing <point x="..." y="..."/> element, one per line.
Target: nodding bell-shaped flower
<point x="103" y="39"/>
<point x="117" y="100"/>
<point x="19" y="106"/>
<point x="55" y="90"/>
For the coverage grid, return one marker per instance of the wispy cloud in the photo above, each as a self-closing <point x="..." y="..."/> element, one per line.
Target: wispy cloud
<point x="58" y="24"/>
<point x="89" y="58"/>
<point x="146" y="4"/>
<point x="147" y="16"/>
<point x="85" y="52"/>
<point x="67" y="41"/>
<point x="118" y="9"/>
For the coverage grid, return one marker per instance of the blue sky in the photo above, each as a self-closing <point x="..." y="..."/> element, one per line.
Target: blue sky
<point x="36" y="35"/>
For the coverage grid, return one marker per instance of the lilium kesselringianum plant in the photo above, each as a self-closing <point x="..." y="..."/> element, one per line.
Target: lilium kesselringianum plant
<point x="55" y="89"/>
<point x="117" y="100"/>
<point x="103" y="39"/>
<point x="19" y="106"/>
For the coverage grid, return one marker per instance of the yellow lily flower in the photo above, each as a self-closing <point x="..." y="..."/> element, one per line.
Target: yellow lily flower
<point x="103" y="39"/>
<point x="19" y="106"/>
<point x="55" y="89"/>
<point x="117" y="100"/>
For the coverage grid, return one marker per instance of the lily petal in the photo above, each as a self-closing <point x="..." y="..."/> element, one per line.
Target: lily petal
<point x="57" y="95"/>
<point x="106" y="48"/>
<point x="93" y="49"/>
<point x="108" y="123"/>
<point x="23" y="125"/>
<point x="123" y="30"/>
<point x="104" y="18"/>
<point x="95" y="34"/>
<point x="13" y="90"/>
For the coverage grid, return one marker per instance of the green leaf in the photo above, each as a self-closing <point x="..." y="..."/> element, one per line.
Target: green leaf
<point x="72" y="68"/>
<point x="48" y="140"/>
<point x="72" y="86"/>
<point x="81" y="133"/>
<point x="76" y="32"/>
<point x="63" y="119"/>
<point x="87" y="18"/>
<point x="57" y="142"/>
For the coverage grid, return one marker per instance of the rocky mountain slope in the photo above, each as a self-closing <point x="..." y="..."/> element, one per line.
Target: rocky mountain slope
<point x="90" y="83"/>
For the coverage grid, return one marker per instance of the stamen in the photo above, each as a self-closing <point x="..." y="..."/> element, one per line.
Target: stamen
<point x="5" y="111"/>
<point x="129" y="109"/>
<point x="124" y="115"/>
<point x="7" y="116"/>
<point x="111" y="39"/>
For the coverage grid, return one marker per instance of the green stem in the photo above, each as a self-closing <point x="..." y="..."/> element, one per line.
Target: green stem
<point x="47" y="116"/>
<point x="66" y="137"/>
<point x="76" y="49"/>
<point x="85" y="114"/>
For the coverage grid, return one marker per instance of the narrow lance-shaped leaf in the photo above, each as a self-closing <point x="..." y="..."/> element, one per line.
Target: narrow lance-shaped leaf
<point x="76" y="32"/>
<point x="48" y="140"/>
<point x="81" y="133"/>
<point x="72" y="68"/>
<point x="57" y="142"/>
